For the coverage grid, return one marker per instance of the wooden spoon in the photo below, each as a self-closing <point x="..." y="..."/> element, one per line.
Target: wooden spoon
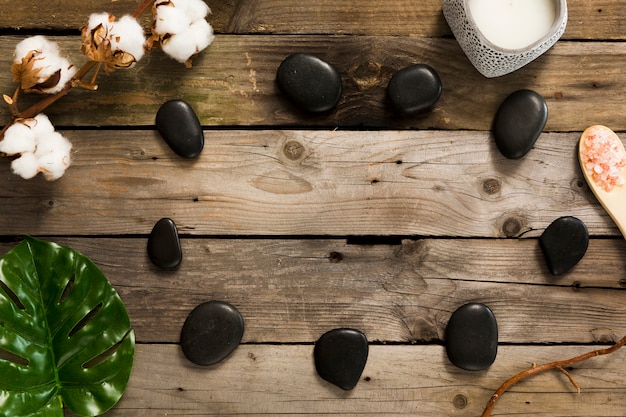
<point x="613" y="201"/>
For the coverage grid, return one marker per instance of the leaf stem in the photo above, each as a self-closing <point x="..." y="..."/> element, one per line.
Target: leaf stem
<point x="547" y="366"/>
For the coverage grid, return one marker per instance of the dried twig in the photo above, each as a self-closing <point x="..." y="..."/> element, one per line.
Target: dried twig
<point x="560" y="365"/>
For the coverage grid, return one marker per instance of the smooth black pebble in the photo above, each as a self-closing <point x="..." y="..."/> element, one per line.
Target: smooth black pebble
<point x="211" y="332"/>
<point x="414" y="89"/>
<point x="164" y="245"/>
<point x="340" y="357"/>
<point x="179" y="126"/>
<point x="564" y="243"/>
<point x="471" y="337"/>
<point x="309" y="82"/>
<point x="518" y="123"/>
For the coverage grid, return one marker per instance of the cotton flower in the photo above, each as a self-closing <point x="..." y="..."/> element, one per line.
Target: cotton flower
<point x="181" y="28"/>
<point x="39" y="67"/>
<point x="26" y="166"/>
<point x="118" y="44"/>
<point x="39" y="146"/>
<point x="20" y="140"/>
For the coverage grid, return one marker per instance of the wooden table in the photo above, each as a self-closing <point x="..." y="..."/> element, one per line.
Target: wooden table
<point x="359" y="218"/>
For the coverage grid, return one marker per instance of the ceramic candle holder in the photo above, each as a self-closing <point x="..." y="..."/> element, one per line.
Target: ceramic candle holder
<point x="492" y="60"/>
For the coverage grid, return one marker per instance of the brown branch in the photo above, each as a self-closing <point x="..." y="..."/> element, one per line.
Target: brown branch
<point x="142" y="8"/>
<point x="42" y="104"/>
<point x="547" y="366"/>
<point x="570" y="377"/>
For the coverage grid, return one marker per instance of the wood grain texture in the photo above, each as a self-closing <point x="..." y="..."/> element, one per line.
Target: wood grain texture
<point x="597" y="20"/>
<point x="232" y="83"/>
<point x="292" y="291"/>
<point x="270" y="182"/>
<point x="356" y="218"/>
<point x="589" y="20"/>
<point x="261" y="380"/>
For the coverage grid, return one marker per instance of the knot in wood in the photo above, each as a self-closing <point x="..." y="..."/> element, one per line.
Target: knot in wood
<point x="459" y="401"/>
<point x="367" y="75"/>
<point x="335" y="257"/>
<point x="491" y="186"/>
<point x="512" y="227"/>
<point x="293" y="150"/>
<point x="578" y="184"/>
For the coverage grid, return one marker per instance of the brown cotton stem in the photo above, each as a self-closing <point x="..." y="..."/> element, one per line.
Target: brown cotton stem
<point x="12" y="101"/>
<point x="95" y="74"/>
<point x="142" y="8"/>
<point x="42" y="104"/>
<point x="547" y="366"/>
<point x="84" y="70"/>
<point x="16" y="94"/>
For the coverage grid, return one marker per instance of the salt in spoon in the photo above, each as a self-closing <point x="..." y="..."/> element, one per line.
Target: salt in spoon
<point x="603" y="161"/>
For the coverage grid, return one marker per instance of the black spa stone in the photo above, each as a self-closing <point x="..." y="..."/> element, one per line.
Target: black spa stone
<point x="414" y="89"/>
<point x="518" y="123"/>
<point x="471" y="337"/>
<point x="309" y="82"/>
<point x="164" y="245"/>
<point x="564" y="243"/>
<point x="179" y="126"/>
<point x="340" y="356"/>
<point x="211" y="332"/>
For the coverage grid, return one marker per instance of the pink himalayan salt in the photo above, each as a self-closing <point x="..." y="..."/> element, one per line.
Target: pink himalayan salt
<point x="604" y="157"/>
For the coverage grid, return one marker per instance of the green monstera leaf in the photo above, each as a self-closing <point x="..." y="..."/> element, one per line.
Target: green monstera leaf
<point x="65" y="335"/>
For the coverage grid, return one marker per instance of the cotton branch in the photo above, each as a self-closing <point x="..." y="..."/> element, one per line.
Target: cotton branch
<point x="179" y="28"/>
<point x="560" y="365"/>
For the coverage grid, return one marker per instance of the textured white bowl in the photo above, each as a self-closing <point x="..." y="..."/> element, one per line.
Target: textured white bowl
<point x="489" y="59"/>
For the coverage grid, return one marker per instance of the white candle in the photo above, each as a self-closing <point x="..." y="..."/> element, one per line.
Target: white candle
<point x="513" y="24"/>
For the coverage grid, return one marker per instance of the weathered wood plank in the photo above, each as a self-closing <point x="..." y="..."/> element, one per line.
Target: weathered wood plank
<point x="260" y="380"/>
<point x="233" y="84"/>
<point x="292" y="291"/>
<point x="68" y="15"/>
<point x="306" y="183"/>
<point x="254" y="208"/>
<point x="587" y="20"/>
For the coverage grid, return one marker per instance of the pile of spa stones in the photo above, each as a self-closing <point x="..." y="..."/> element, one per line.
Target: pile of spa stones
<point x="214" y="329"/>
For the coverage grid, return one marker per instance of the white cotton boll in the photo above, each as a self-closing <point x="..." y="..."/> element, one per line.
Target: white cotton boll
<point x="202" y="33"/>
<point x="180" y="47"/>
<point x="128" y="37"/>
<point x="48" y="150"/>
<point x="47" y="61"/>
<point x="170" y="20"/>
<point x="53" y="155"/>
<point x="53" y="165"/>
<point x="67" y="72"/>
<point x="40" y="125"/>
<point x="183" y="45"/>
<point x="18" y="138"/>
<point x="26" y="166"/>
<point x="37" y="43"/>
<point x="53" y="143"/>
<point x="96" y="19"/>
<point x="195" y="9"/>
